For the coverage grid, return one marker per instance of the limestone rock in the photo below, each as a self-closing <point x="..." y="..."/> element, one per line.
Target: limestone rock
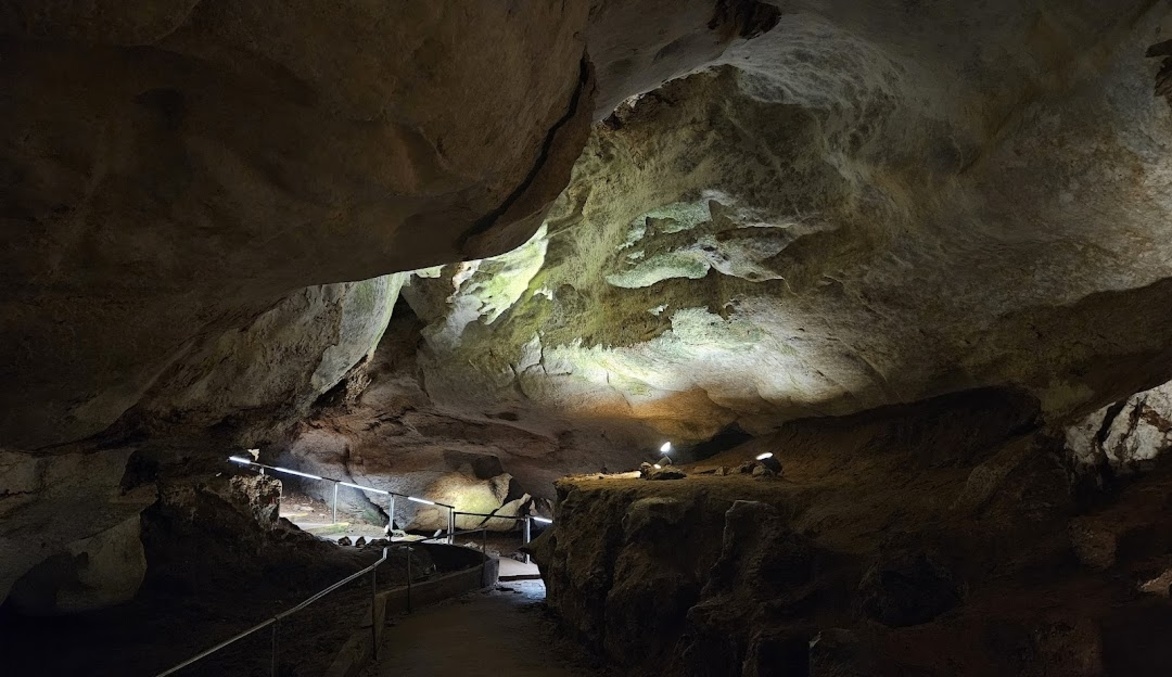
<point x="188" y="165"/>
<point x="1094" y="543"/>
<point x="283" y="360"/>
<point x="776" y="655"/>
<point x="760" y="470"/>
<point x="816" y="225"/>
<point x="93" y="573"/>
<point x="838" y="652"/>
<point x="345" y="541"/>
<point x="779" y="580"/>
<point x="59" y="507"/>
<point x="648" y="471"/>
<point x="1126" y="436"/>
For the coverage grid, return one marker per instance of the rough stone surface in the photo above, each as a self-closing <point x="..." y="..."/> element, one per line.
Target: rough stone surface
<point x="379" y="428"/>
<point x="829" y="219"/>
<point x="783" y="578"/>
<point x="1126" y="436"/>
<point x="54" y="508"/>
<point x="93" y="573"/>
<point x="908" y="589"/>
<point x="282" y="361"/>
<point x="172" y="171"/>
<point x="829" y="207"/>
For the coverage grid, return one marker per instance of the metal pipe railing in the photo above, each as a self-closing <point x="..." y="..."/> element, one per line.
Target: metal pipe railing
<point x="275" y="621"/>
<point x="240" y="460"/>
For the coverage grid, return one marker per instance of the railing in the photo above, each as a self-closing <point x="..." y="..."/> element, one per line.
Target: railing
<point x="450" y="536"/>
<point x="337" y="482"/>
<point x="528" y="520"/>
<point x="275" y="621"/>
<point x="527" y="528"/>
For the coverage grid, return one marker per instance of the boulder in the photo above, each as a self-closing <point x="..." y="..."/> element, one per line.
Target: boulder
<point x="67" y="515"/>
<point x="93" y="573"/>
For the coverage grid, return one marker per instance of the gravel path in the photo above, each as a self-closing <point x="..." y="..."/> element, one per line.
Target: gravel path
<point x="504" y="631"/>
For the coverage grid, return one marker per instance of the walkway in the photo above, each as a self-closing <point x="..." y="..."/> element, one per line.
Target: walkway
<point x="504" y="631"/>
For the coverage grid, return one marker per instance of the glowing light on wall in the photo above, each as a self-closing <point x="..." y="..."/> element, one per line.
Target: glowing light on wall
<point x="666" y="448"/>
<point x="762" y="457"/>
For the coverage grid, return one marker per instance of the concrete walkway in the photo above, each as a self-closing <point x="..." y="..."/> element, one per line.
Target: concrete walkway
<point x="501" y="632"/>
<point x="511" y="569"/>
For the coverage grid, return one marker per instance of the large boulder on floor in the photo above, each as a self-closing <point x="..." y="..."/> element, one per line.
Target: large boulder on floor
<point x="92" y="573"/>
<point x="67" y="512"/>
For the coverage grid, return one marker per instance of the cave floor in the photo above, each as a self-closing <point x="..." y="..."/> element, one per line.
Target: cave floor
<point x="503" y="631"/>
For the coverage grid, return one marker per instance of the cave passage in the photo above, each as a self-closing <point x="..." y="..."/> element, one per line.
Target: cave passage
<point x="885" y="280"/>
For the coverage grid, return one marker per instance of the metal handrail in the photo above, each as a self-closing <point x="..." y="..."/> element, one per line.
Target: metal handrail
<point x="243" y="461"/>
<point x="372" y="569"/>
<point x="515" y="518"/>
<point x="240" y="460"/>
<point x="284" y="614"/>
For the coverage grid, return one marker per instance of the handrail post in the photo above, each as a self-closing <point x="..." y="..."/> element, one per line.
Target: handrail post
<point x="408" y="578"/>
<point x="484" y="541"/>
<point x="451" y="526"/>
<point x="273" y="666"/>
<point x="373" y="615"/>
<point x="391" y="517"/>
<point x="528" y="533"/>
<point x="335" y="503"/>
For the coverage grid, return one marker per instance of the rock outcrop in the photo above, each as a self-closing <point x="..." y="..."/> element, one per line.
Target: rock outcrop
<point x="69" y="513"/>
<point x="1127" y="436"/>
<point x="915" y="540"/>
<point x="824" y="221"/>
<point x="92" y="573"/>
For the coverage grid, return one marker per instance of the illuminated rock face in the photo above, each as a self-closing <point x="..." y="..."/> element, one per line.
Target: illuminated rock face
<point x="825" y="221"/>
<point x="1127" y="436"/>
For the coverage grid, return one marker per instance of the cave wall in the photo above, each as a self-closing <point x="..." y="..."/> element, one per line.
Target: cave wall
<point x="949" y="537"/>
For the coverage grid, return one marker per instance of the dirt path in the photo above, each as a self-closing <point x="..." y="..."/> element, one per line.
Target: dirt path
<point x="500" y="632"/>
